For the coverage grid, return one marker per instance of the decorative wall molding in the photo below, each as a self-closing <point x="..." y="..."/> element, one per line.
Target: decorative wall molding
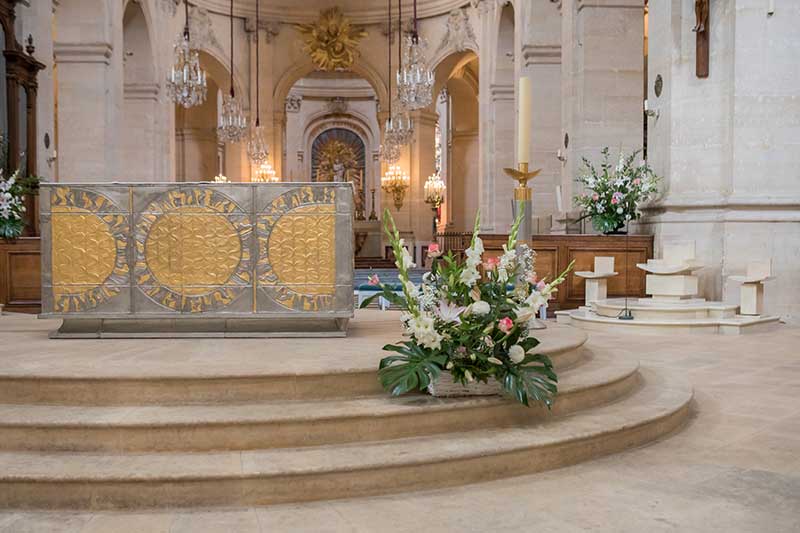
<point x="141" y="91"/>
<point x="610" y="4"/>
<point x="83" y="53"/>
<point x="169" y="7"/>
<point x="201" y="31"/>
<point x="459" y="34"/>
<point x="293" y="103"/>
<point x="270" y="28"/>
<point x="541" y="54"/>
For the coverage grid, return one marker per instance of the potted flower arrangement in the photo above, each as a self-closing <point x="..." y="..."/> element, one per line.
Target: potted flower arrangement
<point x="613" y="194"/>
<point x="468" y="324"/>
<point x="12" y="206"/>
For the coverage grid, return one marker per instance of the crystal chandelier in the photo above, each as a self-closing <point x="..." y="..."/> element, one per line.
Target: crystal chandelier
<point x="257" y="149"/>
<point x="398" y="128"/>
<point x="232" y="126"/>
<point x="186" y="83"/>
<point x="390" y="151"/>
<point x="396" y="182"/>
<point x="415" y="79"/>
<point x="265" y="174"/>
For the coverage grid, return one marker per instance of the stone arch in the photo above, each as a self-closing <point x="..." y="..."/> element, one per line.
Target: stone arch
<point x="361" y="68"/>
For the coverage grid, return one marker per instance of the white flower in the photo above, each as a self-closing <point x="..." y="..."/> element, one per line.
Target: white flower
<point x="536" y="300"/>
<point x="495" y="361"/>
<point x="480" y="307"/>
<point x="449" y="312"/>
<point x="468" y="376"/>
<point x="423" y="329"/>
<point x="469" y="275"/>
<point x="619" y="210"/>
<point x="407" y="261"/>
<point x="449" y="365"/>
<point x="516" y="353"/>
<point x="507" y="262"/>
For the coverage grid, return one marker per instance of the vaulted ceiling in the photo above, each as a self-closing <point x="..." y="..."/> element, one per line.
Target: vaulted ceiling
<point x="360" y="11"/>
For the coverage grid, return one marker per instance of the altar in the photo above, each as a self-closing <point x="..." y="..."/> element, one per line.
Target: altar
<point x="198" y="259"/>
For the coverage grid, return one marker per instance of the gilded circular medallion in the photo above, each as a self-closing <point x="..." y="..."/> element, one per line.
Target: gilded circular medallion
<point x="192" y="248"/>
<point x="84" y="251"/>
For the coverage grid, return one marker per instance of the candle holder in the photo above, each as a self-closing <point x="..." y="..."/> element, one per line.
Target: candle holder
<point x="372" y="214"/>
<point x="523" y="199"/>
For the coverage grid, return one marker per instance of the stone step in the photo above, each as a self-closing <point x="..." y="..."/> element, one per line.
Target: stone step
<point x="170" y="371"/>
<point x="109" y="481"/>
<point x="296" y="423"/>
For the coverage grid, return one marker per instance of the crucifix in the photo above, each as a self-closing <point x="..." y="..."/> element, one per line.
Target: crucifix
<point x="701" y="28"/>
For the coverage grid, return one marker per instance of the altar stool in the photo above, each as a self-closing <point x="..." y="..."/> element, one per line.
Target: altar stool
<point x="671" y="278"/>
<point x="751" y="301"/>
<point x="597" y="281"/>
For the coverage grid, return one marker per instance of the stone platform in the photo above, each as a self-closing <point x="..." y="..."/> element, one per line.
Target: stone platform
<point x="680" y="316"/>
<point x="230" y="422"/>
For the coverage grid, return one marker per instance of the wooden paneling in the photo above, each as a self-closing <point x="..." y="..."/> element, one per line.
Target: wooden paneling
<point x="554" y="253"/>
<point x="20" y="277"/>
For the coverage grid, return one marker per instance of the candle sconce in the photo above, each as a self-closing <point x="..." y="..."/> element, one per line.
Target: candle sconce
<point x="561" y="157"/>
<point x="651" y="113"/>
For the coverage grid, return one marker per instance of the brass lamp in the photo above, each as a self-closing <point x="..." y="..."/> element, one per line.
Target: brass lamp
<point x="434" y="196"/>
<point x="396" y="182"/>
<point x="265" y="174"/>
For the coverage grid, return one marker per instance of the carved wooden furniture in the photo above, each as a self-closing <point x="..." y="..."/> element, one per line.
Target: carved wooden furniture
<point x="166" y="260"/>
<point x="20" y="275"/>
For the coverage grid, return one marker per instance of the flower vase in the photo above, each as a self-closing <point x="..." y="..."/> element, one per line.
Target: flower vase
<point x="447" y="387"/>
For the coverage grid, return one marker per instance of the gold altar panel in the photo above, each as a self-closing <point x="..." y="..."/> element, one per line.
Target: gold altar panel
<point x="193" y="247"/>
<point x="88" y="252"/>
<point x="192" y="251"/>
<point x="297" y="249"/>
<point x="303" y="250"/>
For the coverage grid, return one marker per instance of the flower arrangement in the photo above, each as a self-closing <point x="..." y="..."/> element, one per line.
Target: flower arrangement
<point x="12" y="208"/>
<point x="471" y="319"/>
<point x="613" y="195"/>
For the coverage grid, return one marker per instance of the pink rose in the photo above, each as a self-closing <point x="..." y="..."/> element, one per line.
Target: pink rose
<point x="595" y="197"/>
<point x="505" y="324"/>
<point x="491" y="264"/>
<point x="541" y="286"/>
<point x="614" y="201"/>
<point x="374" y="280"/>
<point x="637" y="181"/>
<point x="434" y="250"/>
<point x="533" y="279"/>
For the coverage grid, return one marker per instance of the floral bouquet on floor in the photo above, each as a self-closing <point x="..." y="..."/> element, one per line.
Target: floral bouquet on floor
<point x="613" y="194"/>
<point x="469" y="322"/>
<point x="11" y="206"/>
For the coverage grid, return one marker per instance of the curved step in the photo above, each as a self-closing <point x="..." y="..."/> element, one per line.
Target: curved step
<point x="108" y="481"/>
<point x="180" y="371"/>
<point x="590" y="321"/>
<point x="296" y="423"/>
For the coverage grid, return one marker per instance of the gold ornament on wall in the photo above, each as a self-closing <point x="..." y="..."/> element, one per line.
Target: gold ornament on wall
<point x="332" y="41"/>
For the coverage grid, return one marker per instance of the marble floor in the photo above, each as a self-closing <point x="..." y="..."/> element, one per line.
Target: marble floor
<point x="734" y="467"/>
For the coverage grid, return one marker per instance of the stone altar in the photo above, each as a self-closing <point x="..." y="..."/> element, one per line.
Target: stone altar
<point x="197" y="259"/>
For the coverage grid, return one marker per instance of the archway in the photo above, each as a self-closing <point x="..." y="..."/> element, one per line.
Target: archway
<point x="456" y="147"/>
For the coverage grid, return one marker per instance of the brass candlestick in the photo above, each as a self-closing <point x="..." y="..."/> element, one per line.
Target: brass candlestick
<point x="522" y="191"/>
<point x="523" y="199"/>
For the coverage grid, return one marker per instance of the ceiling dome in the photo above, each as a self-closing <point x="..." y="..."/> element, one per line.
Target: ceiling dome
<point x="359" y="11"/>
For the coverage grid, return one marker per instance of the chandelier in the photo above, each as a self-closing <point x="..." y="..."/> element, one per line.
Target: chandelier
<point x="257" y="149"/>
<point x="186" y="83"/>
<point x="265" y="174"/>
<point x="434" y="191"/>
<point x="415" y="79"/>
<point x="396" y="182"/>
<point x="232" y="126"/>
<point x="394" y="129"/>
<point x="390" y="151"/>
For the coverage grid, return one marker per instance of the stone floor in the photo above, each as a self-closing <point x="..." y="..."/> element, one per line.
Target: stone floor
<point x="735" y="467"/>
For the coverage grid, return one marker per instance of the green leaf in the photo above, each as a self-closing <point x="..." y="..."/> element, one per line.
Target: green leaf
<point x="413" y="369"/>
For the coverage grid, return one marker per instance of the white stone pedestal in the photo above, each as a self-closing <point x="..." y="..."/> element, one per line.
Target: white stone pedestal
<point x="752" y="299"/>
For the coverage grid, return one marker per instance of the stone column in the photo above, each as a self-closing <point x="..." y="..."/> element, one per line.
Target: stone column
<point x="487" y="44"/>
<point x="541" y="61"/>
<point x="602" y="73"/>
<point x="422" y="166"/>
<point x="727" y="146"/>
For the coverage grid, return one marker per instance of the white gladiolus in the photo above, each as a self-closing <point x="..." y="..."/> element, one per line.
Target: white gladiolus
<point x="468" y="375"/>
<point x="480" y="308"/>
<point x="516" y="353"/>
<point x="495" y="361"/>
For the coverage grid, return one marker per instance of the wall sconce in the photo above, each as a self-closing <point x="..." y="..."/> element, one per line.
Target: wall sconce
<point x="396" y="183"/>
<point x="560" y="156"/>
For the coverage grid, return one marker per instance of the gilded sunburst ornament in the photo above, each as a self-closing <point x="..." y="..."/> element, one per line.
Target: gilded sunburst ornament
<point x="332" y="41"/>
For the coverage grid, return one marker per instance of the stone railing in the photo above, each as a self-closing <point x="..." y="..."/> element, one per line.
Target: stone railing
<point x="197" y="258"/>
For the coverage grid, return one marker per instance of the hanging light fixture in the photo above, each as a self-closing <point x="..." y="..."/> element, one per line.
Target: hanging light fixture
<point x="257" y="149"/>
<point x="265" y="174"/>
<point x="392" y="145"/>
<point x="402" y="122"/>
<point x="415" y="80"/>
<point x="186" y="82"/>
<point x="232" y="126"/>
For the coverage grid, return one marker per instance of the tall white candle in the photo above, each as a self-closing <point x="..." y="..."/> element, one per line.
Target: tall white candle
<point x="524" y="125"/>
